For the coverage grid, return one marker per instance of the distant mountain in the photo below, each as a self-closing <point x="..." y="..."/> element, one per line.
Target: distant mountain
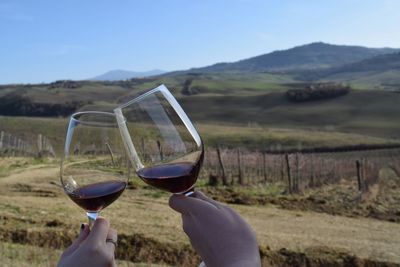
<point x="116" y="75"/>
<point x="310" y="56"/>
<point x="381" y="69"/>
<point x="386" y="62"/>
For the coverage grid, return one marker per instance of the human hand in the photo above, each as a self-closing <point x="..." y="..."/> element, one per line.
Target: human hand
<point x="217" y="232"/>
<point x="91" y="247"/>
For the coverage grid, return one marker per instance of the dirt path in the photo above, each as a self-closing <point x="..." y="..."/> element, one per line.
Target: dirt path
<point x="33" y="173"/>
<point x="276" y="228"/>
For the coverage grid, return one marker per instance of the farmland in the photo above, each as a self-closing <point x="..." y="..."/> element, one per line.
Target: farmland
<point x="317" y="180"/>
<point x="150" y="231"/>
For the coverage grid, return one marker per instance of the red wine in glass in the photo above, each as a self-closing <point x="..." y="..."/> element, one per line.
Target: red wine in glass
<point x="97" y="196"/>
<point x="94" y="168"/>
<point x="161" y="141"/>
<point x="173" y="177"/>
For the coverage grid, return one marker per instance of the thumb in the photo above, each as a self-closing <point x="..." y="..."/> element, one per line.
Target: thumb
<point x="190" y="205"/>
<point x="78" y="241"/>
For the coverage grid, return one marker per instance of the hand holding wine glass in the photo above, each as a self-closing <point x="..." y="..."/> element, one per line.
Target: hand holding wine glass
<point x="217" y="232"/>
<point x="161" y="141"/>
<point x="91" y="247"/>
<point x="94" y="169"/>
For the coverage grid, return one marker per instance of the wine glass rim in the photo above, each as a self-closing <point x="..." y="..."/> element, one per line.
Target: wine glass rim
<point x="76" y="118"/>
<point x="172" y="101"/>
<point x="159" y="88"/>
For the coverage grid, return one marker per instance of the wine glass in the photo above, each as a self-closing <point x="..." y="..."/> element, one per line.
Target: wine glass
<point x="94" y="169"/>
<point x="162" y="143"/>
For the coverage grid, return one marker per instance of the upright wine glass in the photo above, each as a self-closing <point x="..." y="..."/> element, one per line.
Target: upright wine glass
<point x="94" y="169"/>
<point x="161" y="142"/>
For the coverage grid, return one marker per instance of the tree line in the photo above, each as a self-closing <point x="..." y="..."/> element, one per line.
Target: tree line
<point x="18" y="105"/>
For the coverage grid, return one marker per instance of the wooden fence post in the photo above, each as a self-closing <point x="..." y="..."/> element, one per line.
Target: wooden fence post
<point x="111" y="154"/>
<point x="288" y="173"/>
<point x="14" y="146"/>
<point x="1" y="139"/>
<point x="359" y="176"/>
<point x="240" y="177"/>
<point x="312" y="177"/>
<point x="145" y="157"/>
<point x="40" y="144"/>
<point x="222" y="167"/>
<point x="264" y="168"/>
<point x="365" y="174"/>
<point x="282" y="167"/>
<point x="296" y="178"/>
<point x="160" y="150"/>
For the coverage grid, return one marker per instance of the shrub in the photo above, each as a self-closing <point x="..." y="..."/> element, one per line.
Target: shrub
<point x="18" y="105"/>
<point x="317" y="91"/>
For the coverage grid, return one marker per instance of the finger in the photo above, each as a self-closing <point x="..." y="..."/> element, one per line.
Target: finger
<point x="99" y="232"/>
<point x="202" y="196"/>
<point x="187" y="224"/>
<point x="112" y="235"/>
<point x="189" y="205"/>
<point x="84" y="232"/>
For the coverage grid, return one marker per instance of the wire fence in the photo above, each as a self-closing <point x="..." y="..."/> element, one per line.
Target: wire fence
<point x="13" y="146"/>
<point x="298" y="171"/>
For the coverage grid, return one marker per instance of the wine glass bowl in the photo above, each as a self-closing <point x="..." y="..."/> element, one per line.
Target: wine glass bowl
<point x="161" y="141"/>
<point x="94" y="169"/>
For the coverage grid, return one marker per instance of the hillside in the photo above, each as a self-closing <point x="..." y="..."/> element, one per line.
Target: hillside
<point x="22" y="99"/>
<point x="309" y="56"/>
<point x="257" y="120"/>
<point x="381" y="70"/>
<point x="348" y="113"/>
<point x="219" y="98"/>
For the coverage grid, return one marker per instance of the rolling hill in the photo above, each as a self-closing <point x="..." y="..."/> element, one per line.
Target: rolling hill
<point x="247" y="97"/>
<point x="309" y="56"/>
<point x="379" y="71"/>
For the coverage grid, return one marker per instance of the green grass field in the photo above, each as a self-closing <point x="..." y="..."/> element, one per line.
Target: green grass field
<point x="245" y="110"/>
<point x="252" y="136"/>
<point x="370" y="79"/>
<point x="243" y="99"/>
<point x="262" y="120"/>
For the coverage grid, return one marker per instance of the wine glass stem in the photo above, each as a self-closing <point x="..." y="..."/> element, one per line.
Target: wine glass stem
<point x="92" y="216"/>
<point x="189" y="192"/>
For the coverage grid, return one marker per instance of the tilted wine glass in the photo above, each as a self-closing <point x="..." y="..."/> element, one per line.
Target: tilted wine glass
<point x="161" y="141"/>
<point x="94" y="169"/>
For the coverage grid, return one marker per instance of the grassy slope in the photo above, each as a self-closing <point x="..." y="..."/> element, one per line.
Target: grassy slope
<point x="369" y="79"/>
<point x="367" y="112"/>
<point x="236" y="99"/>
<point x="28" y="256"/>
<point x="29" y="201"/>
<point x="252" y="136"/>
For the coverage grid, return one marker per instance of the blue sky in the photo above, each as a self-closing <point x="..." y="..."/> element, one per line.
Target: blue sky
<point x="43" y="40"/>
